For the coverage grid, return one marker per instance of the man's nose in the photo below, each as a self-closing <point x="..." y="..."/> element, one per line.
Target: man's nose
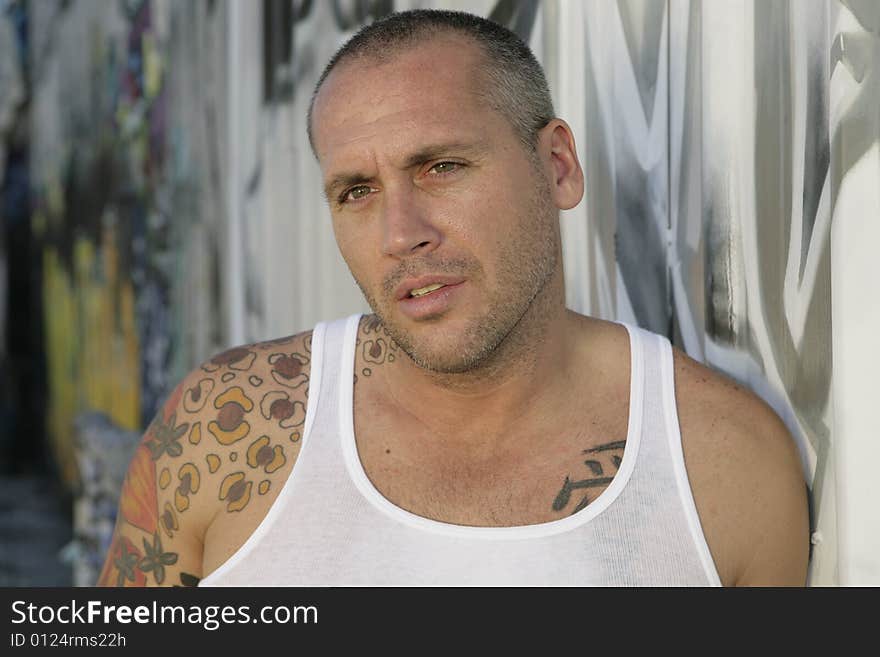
<point x="408" y="228"/>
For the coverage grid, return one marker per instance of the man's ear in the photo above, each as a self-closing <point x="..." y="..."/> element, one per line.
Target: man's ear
<point x="557" y="150"/>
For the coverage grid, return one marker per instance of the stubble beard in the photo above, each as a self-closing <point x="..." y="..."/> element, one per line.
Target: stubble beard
<point x="534" y="243"/>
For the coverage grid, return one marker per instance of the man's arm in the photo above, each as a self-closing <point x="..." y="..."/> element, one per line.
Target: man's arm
<point x="161" y="520"/>
<point x="747" y="480"/>
<point x="780" y="527"/>
<point x="211" y="464"/>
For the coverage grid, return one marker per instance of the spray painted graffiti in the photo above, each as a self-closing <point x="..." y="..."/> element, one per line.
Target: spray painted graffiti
<point x="710" y="137"/>
<point x="117" y="207"/>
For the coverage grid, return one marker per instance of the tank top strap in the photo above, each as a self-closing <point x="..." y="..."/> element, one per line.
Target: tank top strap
<point x="329" y="349"/>
<point x="660" y="460"/>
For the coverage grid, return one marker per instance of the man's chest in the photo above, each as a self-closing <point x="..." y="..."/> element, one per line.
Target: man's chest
<point x="529" y="478"/>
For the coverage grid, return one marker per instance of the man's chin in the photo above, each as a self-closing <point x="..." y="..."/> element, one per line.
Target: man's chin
<point x="445" y="363"/>
<point x="442" y="344"/>
<point x="442" y="353"/>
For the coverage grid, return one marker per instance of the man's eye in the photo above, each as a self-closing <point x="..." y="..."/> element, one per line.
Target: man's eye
<point x="444" y="167"/>
<point x="355" y="193"/>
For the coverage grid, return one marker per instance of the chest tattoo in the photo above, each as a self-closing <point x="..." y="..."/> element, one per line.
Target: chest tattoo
<point x="603" y="463"/>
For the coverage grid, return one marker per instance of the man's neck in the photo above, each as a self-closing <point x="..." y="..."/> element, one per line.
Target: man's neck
<point x="522" y="381"/>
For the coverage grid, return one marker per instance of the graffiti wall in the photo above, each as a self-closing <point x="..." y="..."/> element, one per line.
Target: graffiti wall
<point x="724" y="144"/>
<point x="127" y="200"/>
<point x="708" y="133"/>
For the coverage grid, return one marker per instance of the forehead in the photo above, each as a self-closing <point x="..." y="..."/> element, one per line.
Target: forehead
<point x="424" y="94"/>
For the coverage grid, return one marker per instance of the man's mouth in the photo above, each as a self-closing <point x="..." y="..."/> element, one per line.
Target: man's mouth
<point x="422" y="291"/>
<point x="427" y="286"/>
<point x="429" y="296"/>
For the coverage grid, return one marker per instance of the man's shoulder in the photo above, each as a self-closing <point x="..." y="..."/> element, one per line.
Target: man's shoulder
<point x="733" y="417"/>
<point x="241" y="396"/>
<point x="745" y="471"/>
<point x="250" y="366"/>
<point x="220" y="446"/>
<point x="241" y="416"/>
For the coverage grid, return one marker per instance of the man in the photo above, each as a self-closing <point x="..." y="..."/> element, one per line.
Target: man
<point x="473" y="430"/>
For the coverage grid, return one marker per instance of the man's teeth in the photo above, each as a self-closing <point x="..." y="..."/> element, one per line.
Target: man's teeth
<point x="424" y="290"/>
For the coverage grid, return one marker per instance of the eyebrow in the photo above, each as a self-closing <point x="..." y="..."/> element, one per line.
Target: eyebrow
<point x="342" y="181"/>
<point x="424" y="154"/>
<point x="433" y="151"/>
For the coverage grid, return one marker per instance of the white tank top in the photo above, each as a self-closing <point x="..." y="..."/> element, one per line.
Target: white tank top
<point x="330" y="527"/>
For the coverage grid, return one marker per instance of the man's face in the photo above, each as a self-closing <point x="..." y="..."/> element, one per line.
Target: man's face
<point x="430" y="187"/>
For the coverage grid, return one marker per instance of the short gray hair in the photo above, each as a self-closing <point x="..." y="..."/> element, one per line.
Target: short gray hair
<point x="516" y="86"/>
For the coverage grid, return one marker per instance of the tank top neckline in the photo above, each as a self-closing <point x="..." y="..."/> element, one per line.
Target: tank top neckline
<point x="355" y="469"/>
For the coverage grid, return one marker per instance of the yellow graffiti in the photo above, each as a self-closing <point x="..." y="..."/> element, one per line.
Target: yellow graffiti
<point x="92" y="345"/>
<point x="152" y="66"/>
